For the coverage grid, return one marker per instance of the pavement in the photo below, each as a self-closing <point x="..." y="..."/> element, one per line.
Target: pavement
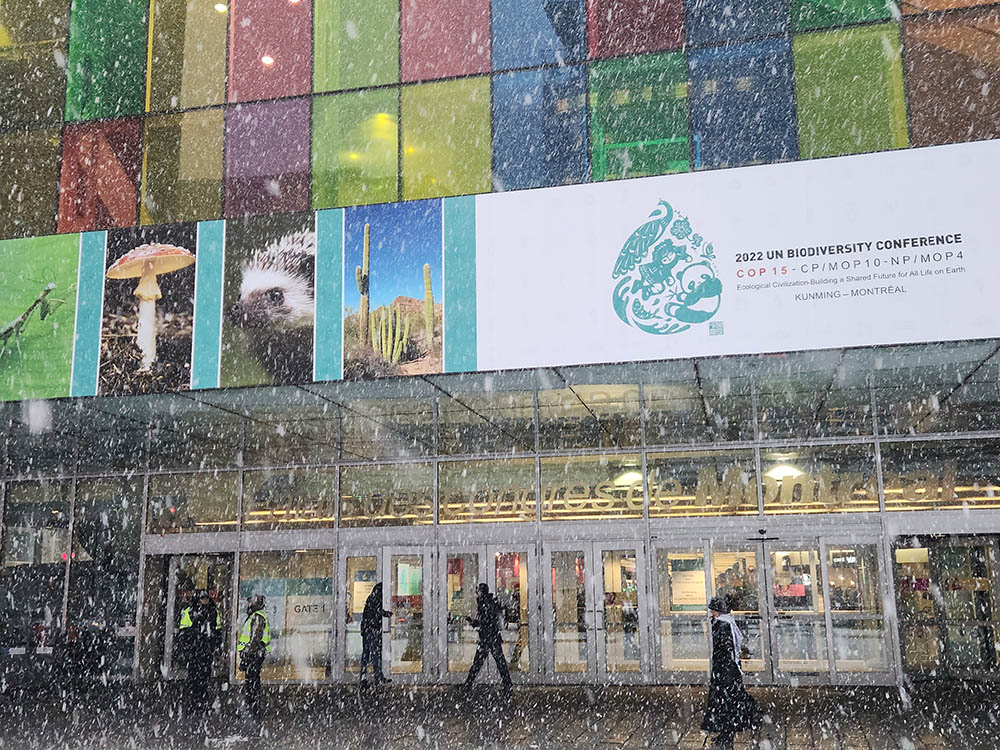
<point x="121" y="716"/>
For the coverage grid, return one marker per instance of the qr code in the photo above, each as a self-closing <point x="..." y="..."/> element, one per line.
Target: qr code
<point x="715" y="329"/>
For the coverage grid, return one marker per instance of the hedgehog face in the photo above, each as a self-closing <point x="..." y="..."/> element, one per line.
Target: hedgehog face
<point x="273" y="299"/>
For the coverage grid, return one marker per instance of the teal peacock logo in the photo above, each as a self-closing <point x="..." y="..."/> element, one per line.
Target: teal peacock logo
<point x="666" y="277"/>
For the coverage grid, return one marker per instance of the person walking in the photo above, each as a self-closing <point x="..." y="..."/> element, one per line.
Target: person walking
<point x="199" y="635"/>
<point x="371" y="635"/>
<point x="730" y="708"/>
<point x="252" y="646"/>
<point x="487" y="622"/>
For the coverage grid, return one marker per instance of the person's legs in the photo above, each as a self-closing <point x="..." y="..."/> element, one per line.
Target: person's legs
<point x="477" y="663"/>
<point x="376" y="657"/>
<point x="724" y="741"/>
<point x="496" y="648"/>
<point x="366" y="657"/>
<point x="251" y="690"/>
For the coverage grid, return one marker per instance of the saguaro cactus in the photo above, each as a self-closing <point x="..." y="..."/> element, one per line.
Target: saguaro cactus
<point x="361" y="275"/>
<point x="428" y="307"/>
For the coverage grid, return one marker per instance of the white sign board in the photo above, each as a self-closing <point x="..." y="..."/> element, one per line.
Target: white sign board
<point x="894" y="247"/>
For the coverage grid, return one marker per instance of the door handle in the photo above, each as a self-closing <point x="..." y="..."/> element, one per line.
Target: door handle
<point x="599" y="624"/>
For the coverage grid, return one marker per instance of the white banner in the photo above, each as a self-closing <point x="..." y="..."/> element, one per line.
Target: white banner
<point x="894" y="247"/>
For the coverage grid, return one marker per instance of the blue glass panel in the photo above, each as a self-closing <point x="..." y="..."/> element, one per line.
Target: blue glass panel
<point x="711" y="21"/>
<point x="540" y="128"/>
<point x="743" y="104"/>
<point x="535" y="32"/>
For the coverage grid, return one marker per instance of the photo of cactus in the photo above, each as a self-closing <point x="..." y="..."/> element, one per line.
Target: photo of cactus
<point x="392" y="290"/>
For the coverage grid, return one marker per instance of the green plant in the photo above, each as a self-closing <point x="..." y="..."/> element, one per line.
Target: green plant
<point x="428" y="307"/>
<point x="390" y="333"/>
<point x="362" y="276"/>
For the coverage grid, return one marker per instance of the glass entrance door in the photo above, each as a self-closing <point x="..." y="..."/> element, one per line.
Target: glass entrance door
<point x="404" y="573"/>
<point x="594" y="623"/>
<point x="797" y="606"/>
<point x="186" y="574"/>
<point x="509" y="571"/>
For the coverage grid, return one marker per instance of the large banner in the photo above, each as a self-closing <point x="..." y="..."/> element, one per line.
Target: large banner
<point x="873" y="249"/>
<point x="883" y="248"/>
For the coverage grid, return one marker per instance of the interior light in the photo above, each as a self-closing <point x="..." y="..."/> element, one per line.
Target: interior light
<point x="628" y="478"/>
<point x="221" y="7"/>
<point x="267" y="60"/>
<point x="782" y="472"/>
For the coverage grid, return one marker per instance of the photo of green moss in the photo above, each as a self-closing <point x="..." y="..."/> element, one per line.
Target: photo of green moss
<point x="37" y="315"/>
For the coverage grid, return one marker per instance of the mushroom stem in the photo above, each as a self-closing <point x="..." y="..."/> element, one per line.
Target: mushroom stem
<point x="148" y="292"/>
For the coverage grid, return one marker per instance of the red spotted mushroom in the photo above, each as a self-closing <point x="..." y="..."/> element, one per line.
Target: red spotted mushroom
<point x="144" y="263"/>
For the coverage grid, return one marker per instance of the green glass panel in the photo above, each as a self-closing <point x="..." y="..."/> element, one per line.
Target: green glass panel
<point x="188" y="63"/>
<point x="355" y="148"/>
<point x="35" y="362"/>
<point x="639" y="116"/>
<point x="30" y="190"/>
<point x="32" y="41"/>
<point x="849" y="91"/>
<point x="107" y="59"/>
<point x="446" y="138"/>
<point x="822" y="14"/>
<point x="182" y="167"/>
<point x="356" y="44"/>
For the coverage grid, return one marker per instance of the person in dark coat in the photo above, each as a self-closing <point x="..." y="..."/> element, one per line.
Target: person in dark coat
<point x="487" y="622"/>
<point x="371" y="634"/>
<point x="730" y="708"/>
<point x="199" y="636"/>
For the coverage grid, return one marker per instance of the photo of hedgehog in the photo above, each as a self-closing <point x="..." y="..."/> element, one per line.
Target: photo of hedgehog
<point x="392" y="290"/>
<point x="148" y="313"/>
<point x="267" y="331"/>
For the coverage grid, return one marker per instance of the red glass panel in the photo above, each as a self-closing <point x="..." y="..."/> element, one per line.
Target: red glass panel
<point x="631" y="27"/>
<point x="270" y="49"/>
<point x="444" y="38"/>
<point x="99" y="185"/>
<point x="267" y="157"/>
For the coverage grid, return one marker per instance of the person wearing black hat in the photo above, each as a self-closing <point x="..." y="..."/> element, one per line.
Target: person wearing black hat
<point x="730" y="708"/>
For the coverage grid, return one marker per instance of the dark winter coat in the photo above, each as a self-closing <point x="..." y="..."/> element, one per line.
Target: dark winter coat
<point x="371" y="617"/>
<point x="487" y="618"/>
<point x="730" y="708"/>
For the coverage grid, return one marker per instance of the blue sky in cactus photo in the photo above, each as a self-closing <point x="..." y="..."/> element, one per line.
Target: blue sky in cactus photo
<point x="402" y="238"/>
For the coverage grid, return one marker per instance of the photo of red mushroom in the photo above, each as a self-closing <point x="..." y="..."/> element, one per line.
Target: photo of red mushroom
<point x="148" y="310"/>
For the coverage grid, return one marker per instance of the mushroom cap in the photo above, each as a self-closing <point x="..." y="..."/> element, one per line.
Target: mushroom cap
<point x="164" y="259"/>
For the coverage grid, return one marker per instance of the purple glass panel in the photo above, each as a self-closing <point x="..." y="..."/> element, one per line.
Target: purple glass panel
<point x="267" y="157"/>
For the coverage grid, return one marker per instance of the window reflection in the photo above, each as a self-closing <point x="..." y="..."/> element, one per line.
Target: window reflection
<point x="936" y="475"/>
<point x="36" y="546"/>
<point x="598" y="416"/>
<point x="486" y="491"/>
<point x="188" y="60"/>
<point x="703" y="483"/>
<point x="819" y="480"/>
<point x="289" y="498"/>
<point x="189" y="503"/>
<point x="387" y="495"/>
<point x="582" y="487"/>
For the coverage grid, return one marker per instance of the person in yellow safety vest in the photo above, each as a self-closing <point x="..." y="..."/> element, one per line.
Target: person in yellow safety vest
<point x="253" y="644"/>
<point x="198" y="638"/>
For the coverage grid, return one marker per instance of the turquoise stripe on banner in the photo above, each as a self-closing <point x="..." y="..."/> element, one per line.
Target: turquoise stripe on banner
<point x="89" y="307"/>
<point x="210" y="260"/>
<point x="329" y="331"/>
<point x="460" y="284"/>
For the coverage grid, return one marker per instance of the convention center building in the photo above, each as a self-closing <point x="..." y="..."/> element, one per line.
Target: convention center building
<point x="614" y="305"/>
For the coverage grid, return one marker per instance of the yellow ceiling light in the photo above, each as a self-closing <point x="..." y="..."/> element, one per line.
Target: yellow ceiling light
<point x="782" y="472"/>
<point x="221" y="7"/>
<point x="628" y="478"/>
<point x="267" y="60"/>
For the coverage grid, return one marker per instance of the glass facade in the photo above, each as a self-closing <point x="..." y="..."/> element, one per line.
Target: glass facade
<point x="503" y="95"/>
